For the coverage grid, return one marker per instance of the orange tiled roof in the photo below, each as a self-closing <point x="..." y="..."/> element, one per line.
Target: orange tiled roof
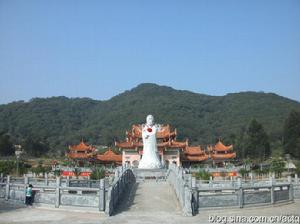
<point x="195" y="158"/>
<point x="220" y="147"/>
<point x="78" y="155"/>
<point x="193" y="150"/>
<point x="168" y="144"/>
<point x="82" y="147"/>
<point x="194" y="153"/>
<point x="109" y="156"/>
<point x="223" y="156"/>
<point x="163" y="144"/>
<point x="177" y="144"/>
<point x="128" y="145"/>
<point x="164" y="132"/>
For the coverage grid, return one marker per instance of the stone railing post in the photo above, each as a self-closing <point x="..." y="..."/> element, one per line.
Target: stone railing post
<point x="187" y="202"/>
<point x="193" y="182"/>
<point x="251" y="178"/>
<point x="210" y="181"/>
<point x="274" y="178"/>
<point x="57" y="192"/>
<point x="291" y="188"/>
<point x="102" y="195"/>
<point x="7" y="188"/>
<point x="46" y="179"/>
<point x="68" y="181"/>
<point x="26" y="180"/>
<point x="123" y="176"/>
<point x="108" y="206"/>
<point x="296" y="179"/>
<point x="240" y="193"/>
<point x="188" y="180"/>
<point x="231" y="181"/>
<point x="117" y="173"/>
<point x="272" y="189"/>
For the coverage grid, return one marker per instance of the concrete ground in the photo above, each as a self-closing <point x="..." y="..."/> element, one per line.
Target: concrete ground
<point x="147" y="202"/>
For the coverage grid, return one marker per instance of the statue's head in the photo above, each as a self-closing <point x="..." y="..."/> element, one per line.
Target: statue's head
<point x="150" y="120"/>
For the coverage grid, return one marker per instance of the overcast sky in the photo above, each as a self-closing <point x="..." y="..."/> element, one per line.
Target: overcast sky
<point x="98" y="49"/>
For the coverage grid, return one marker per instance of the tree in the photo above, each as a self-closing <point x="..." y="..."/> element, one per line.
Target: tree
<point x="6" y="146"/>
<point x="35" y="147"/>
<point x="257" y="145"/>
<point x="291" y="134"/>
<point x="240" y="143"/>
<point x="41" y="169"/>
<point x="61" y="121"/>
<point x="277" y="166"/>
<point x="7" y="166"/>
<point x="298" y="168"/>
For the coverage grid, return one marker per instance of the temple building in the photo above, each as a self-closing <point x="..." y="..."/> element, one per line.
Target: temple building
<point x="219" y="152"/>
<point x="192" y="155"/>
<point x="80" y="151"/>
<point x="170" y="150"/>
<point x="84" y="152"/>
<point x="109" y="157"/>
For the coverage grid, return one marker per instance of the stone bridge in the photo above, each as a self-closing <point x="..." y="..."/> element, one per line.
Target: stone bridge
<point x="149" y="194"/>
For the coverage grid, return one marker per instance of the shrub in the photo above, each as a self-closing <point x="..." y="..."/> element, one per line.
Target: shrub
<point x="244" y="172"/>
<point x="6" y="167"/>
<point x="203" y="175"/>
<point x="98" y="173"/>
<point x="277" y="166"/>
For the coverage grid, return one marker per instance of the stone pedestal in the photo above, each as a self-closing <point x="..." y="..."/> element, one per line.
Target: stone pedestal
<point x="149" y="174"/>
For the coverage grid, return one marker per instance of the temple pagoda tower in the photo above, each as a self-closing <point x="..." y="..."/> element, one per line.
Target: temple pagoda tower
<point x="220" y="153"/>
<point x="80" y="151"/>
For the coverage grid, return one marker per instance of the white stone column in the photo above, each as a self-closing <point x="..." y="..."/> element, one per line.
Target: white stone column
<point x="57" y="192"/>
<point x="46" y="179"/>
<point x="102" y="195"/>
<point x="7" y="188"/>
<point x="272" y="189"/>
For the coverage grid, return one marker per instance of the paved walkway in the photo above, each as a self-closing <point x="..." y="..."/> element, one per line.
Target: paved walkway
<point x="149" y="197"/>
<point x="148" y="202"/>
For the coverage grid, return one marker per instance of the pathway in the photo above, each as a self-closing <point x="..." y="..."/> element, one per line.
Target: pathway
<point x="150" y="197"/>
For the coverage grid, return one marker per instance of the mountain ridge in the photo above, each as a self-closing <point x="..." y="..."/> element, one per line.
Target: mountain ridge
<point x="60" y="121"/>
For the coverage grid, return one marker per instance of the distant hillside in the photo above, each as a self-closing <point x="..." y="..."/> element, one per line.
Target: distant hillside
<point x="60" y="121"/>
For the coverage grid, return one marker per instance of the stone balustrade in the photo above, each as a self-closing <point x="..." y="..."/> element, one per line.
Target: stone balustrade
<point x="64" y="192"/>
<point x="124" y="178"/>
<point x="182" y="185"/>
<point x="195" y="195"/>
<point x="57" y="195"/>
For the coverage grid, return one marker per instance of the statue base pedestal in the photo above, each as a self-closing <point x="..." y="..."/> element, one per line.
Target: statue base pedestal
<point x="150" y="174"/>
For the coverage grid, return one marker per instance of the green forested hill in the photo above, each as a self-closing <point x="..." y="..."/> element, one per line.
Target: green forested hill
<point x="60" y="121"/>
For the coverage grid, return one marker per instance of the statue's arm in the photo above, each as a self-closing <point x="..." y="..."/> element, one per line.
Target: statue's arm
<point x="144" y="132"/>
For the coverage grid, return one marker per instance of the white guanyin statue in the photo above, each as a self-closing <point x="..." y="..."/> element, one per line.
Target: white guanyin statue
<point x="150" y="159"/>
